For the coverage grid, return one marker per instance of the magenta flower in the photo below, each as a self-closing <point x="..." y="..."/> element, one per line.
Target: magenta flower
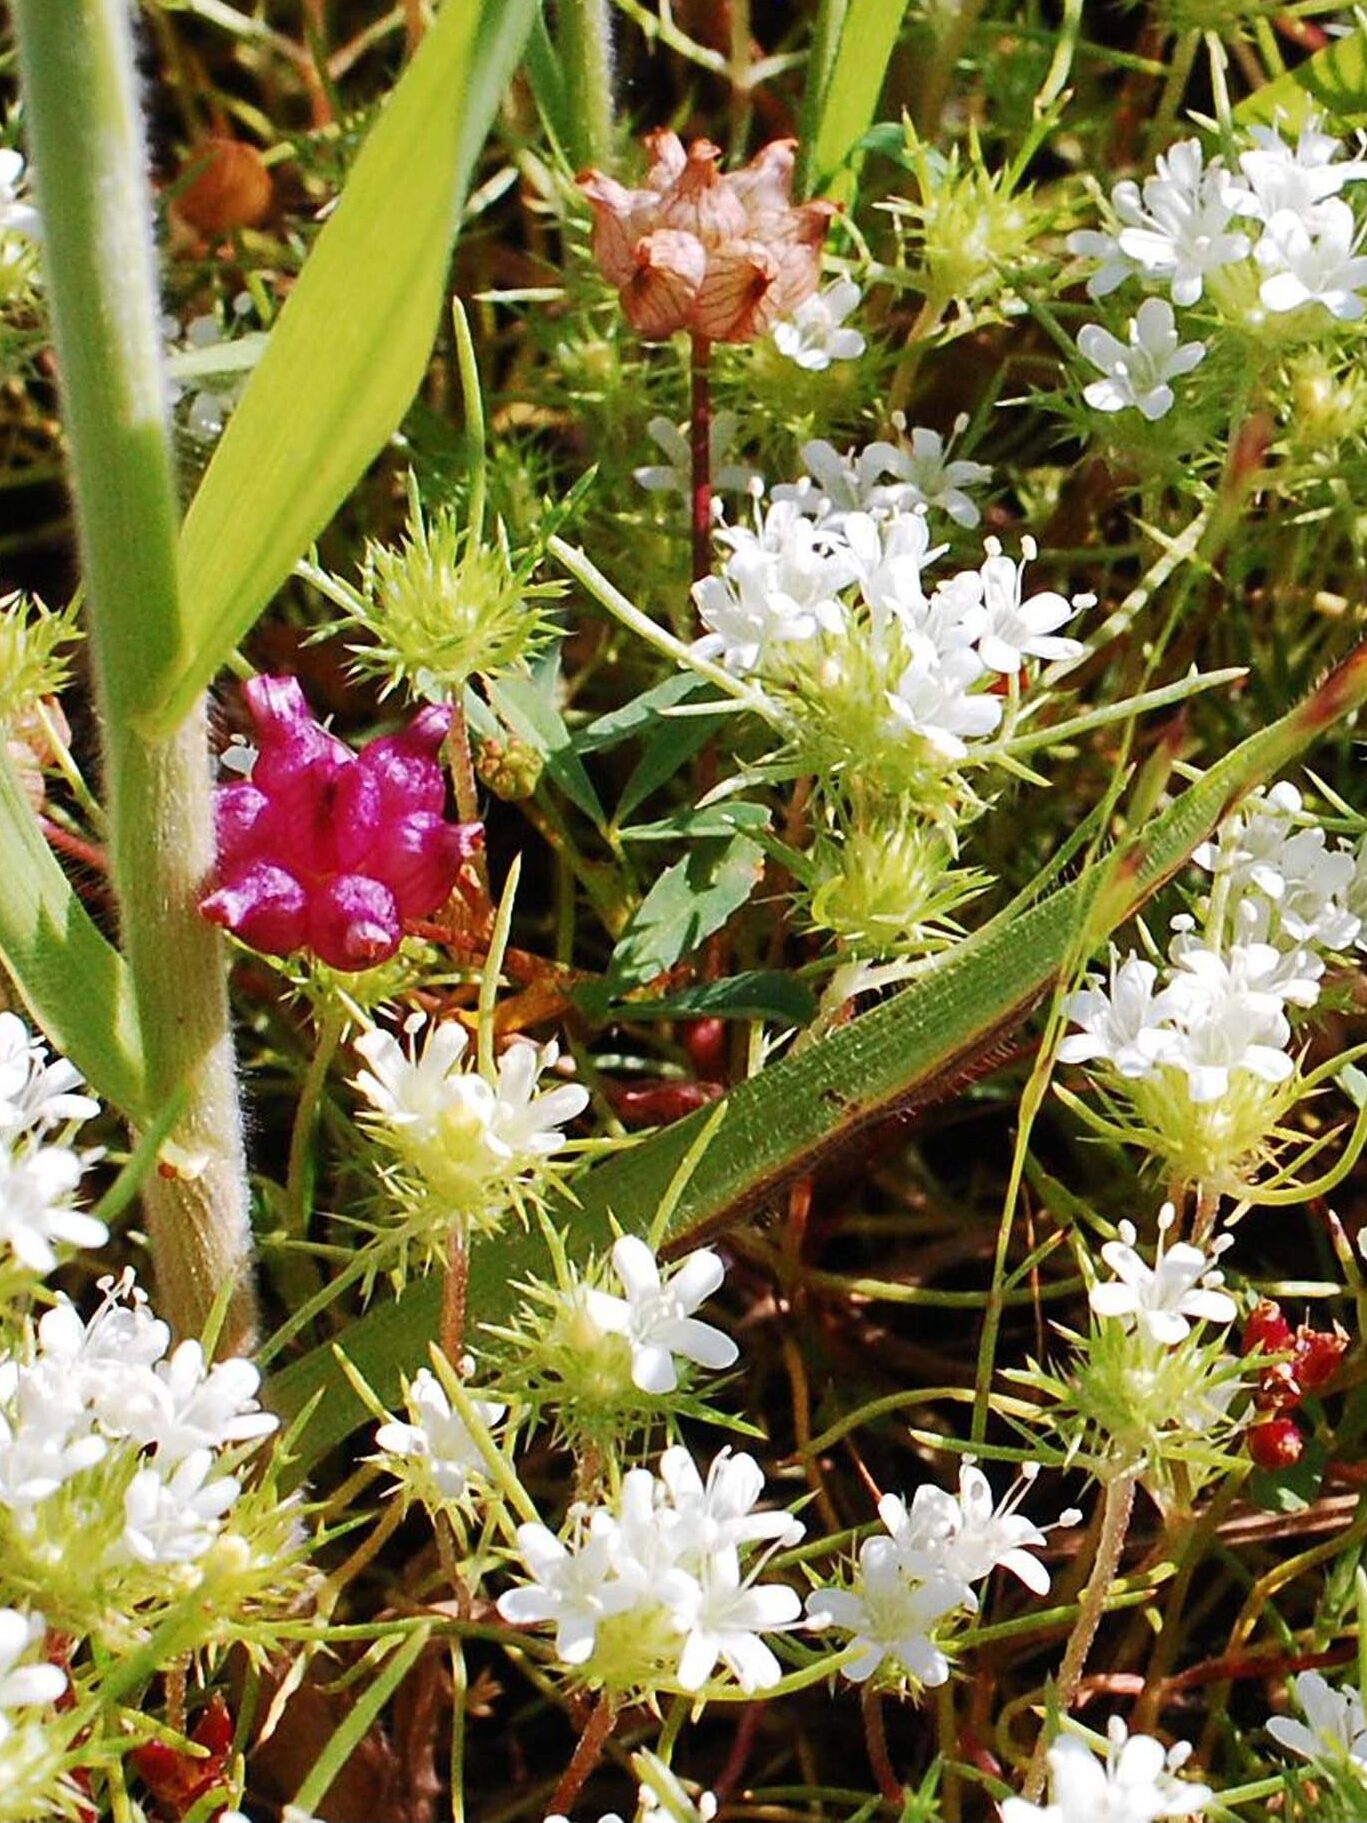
<point x="329" y="850"/>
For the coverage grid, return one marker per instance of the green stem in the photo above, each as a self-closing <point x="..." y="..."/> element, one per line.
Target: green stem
<point x="80" y="93"/>
<point x="1117" y="1505"/>
<point x="584" y="30"/>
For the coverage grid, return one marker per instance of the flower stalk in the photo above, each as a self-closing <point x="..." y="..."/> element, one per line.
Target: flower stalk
<point x="80" y="89"/>
<point x="700" y="444"/>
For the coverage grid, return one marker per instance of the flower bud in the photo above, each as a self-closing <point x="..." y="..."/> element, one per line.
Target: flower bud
<point x="1318" y="1354"/>
<point x="1267" y="1330"/>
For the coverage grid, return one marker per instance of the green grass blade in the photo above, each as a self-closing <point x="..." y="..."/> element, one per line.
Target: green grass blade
<point x="854" y="44"/>
<point x="781" y="1123"/>
<point x="75" y="984"/>
<point x="350" y="347"/>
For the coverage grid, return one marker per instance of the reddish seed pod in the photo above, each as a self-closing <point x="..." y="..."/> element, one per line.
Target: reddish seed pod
<point x="662" y="1102"/>
<point x="1267" y="1330"/>
<point x="1276" y="1444"/>
<point x="1318" y="1353"/>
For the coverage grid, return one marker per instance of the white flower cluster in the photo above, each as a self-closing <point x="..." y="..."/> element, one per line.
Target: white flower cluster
<point x="654" y="1588"/>
<point x="1136" y="1782"/>
<point x="40" y="1105"/>
<point x="885" y="478"/>
<point x="1281" y="896"/>
<point x="101" y="1408"/>
<point x="925" y="1569"/>
<point x="827" y="600"/>
<point x="675" y="474"/>
<point x="1193" y="225"/>
<point x="470" y="1140"/>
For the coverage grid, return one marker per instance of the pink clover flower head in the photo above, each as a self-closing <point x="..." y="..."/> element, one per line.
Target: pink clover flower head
<point x="327" y="850"/>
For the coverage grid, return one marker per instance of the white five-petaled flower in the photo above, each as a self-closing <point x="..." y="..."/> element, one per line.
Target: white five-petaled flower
<point x="779" y="584"/>
<point x="889" y="1615"/>
<point x="1138" y="372"/>
<point x="1178" y="226"/>
<point x="1015" y="630"/>
<point x="36" y="1092"/>
<point x="1135" y="1783"/>
<point x="24" y="1685"/>
<point x="576" y="1586"/>
<point x="934" y="698"/>
<point x="1126" y="1024"/>
<point x="1228" y="1012"/>
<point x="715" y="1514"/>
<point x="1298" y="178"/>
<point x="174" y="1519"/>
<point x="1162" y="1300"/>
<point x="1319" y="266"/>
<point x="656" y="1315"/>
<point x="814" y="335"/>
<point x="1334" y="1732"/>
<point x="967" y="1537"/>
<point x="675" y="474"/>
<point x="435" y="1437"/>
<point x="724" y="1621"/>
<point x="37" y="1183"/>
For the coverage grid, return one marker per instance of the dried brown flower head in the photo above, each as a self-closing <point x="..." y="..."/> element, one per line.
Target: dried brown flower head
<point x="723" y="256"/>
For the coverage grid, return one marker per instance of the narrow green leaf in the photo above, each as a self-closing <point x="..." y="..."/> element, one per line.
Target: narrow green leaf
<point x="844" y="109"/>
<point x="732" y="816"/>
<point x="1333" y="82"/>
<point x="670" y="745"/>
<point x="349" y="349"/>
<point x="754" y="994"/>
<point x="638" y="716"/>
<point x="75" y="984"/>
<point x="525" y="705"/>
<point x="781" y="1123"/>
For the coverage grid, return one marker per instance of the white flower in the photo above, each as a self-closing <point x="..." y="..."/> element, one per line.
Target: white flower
<point x="436" y="1437"/>
<point x="1337" y="1728"/>
<point x="889" y="1615"/>
<point x="675" y="474"/>
<point x="725" y="1622"/>
<point x="932" y="699"/>
<point x="1273" y="849"/>
<point x="22" y="1686"/>
<point x="1126" y="1026"/>
<point x="967" y="1538"/>
<point x="1178" y="227"/>
<point x="1137" y="373"/>
<point x="1295" y="178"/>
<point x="937" y="482"/>
<point x="813" y="337"/>
<point x="656" y="1316"/>
<point x="1163" y="1300"/>
<point x="892" y="554"/>
<point x="576" y="1588"/>
<point x="175" y="1519"/>
<point x="1319" y="267"/>
<point x="461" y="1132"/>
<point x="46" y="1437"/>
<point x="17" y="216"/>
<point x="707" y="1518"/>
<point x="857" y="482"/>
<point x="183" y="1407"/>
<point x="33" y="1091"/>
<point x="1016" y="630"/>
<point x="1114" y="266"/>
<point x="36" y="1185"/>
<point x="1135" y="1783"/>
<point x="1228" y="1011"/>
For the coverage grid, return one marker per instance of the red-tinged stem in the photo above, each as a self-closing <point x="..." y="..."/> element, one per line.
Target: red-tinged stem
<point x="586" y="1756"/>
<point x="888" y="1782"/>
<point x="700" y="371"/>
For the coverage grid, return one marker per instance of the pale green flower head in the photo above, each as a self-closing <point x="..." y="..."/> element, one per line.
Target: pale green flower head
<point x="441" y="607"/>
<point x="35" y="644"/>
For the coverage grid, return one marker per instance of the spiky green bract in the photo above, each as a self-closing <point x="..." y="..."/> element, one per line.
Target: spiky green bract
<point x="1132" y="1406"/>
<point x="35" y="644"/>
<point x="889" y="886"/>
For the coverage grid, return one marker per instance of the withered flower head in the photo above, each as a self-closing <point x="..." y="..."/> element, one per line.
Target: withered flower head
<point x="721" y="255"/>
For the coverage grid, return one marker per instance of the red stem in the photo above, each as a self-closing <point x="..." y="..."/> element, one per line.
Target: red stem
<point x="702" y="456"/>
<point x="586" y="1756"/>
<point x="877" y="1742"/>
